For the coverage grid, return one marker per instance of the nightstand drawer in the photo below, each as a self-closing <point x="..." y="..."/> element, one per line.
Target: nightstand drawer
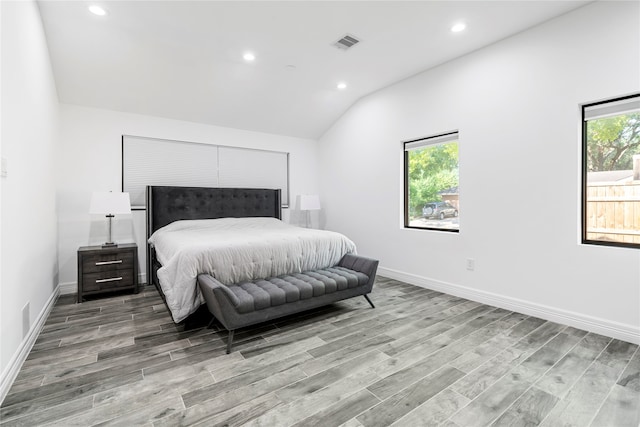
<point x="107" y="269"/>
<point x="107" y="262"/>
<point x="107" y="280"/>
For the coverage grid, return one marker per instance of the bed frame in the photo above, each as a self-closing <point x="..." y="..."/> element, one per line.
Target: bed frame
<point x="168" y="204"/>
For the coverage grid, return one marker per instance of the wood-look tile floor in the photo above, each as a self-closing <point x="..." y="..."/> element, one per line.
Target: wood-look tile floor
<point x="420" y="358"/>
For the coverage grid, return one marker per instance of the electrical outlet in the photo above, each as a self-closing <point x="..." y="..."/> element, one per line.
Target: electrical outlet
<point x="26" y="320"/>
<point x="471" y="264"/>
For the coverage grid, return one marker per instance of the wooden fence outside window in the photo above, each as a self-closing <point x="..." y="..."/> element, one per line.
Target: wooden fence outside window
<point x="613" y="211"/>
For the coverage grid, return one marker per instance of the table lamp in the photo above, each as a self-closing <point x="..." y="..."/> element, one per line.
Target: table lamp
<point x="110" y="204"/>
<point x="309" y="202"/>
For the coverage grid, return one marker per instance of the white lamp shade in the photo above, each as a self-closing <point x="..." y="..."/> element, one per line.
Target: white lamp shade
<point x="108" y="203"/>
<point x="309" y="202"/>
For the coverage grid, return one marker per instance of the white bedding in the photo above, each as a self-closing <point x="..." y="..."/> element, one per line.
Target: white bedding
<point x="236" y="249"/>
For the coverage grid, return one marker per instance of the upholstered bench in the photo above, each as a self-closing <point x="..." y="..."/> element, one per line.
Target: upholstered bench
<point x="250" y="302"/>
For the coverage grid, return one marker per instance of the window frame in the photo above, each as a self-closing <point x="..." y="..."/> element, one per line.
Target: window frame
<point x="406" y="178"/>
<point x="584" y="171"/>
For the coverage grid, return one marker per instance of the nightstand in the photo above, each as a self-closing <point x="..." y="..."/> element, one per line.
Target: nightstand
<point x="102" y="270"/>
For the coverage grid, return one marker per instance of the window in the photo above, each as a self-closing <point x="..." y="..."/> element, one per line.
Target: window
<point x="431" y="199"/>
<point x="611" y="172"/>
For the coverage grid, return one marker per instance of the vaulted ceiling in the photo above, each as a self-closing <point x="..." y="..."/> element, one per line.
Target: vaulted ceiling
<point x="184" y="59"/>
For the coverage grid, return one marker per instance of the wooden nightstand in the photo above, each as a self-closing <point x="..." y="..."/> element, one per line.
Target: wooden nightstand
<point x="107" y="269"/>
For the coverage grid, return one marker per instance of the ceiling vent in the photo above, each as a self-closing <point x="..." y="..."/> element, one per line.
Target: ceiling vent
<point x="346" y="42"/>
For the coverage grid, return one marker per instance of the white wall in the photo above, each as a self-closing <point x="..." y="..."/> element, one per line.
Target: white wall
<point x="29" y="136"/>
<point x="516" y="105"/>
<point x="90" y="159"/>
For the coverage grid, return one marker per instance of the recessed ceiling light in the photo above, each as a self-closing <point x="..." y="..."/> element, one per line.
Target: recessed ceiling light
<point x="97" y="10"/>
<point x="342" y="85"/>
<point x="249" y="56"/>
<point x="460" y="26"/>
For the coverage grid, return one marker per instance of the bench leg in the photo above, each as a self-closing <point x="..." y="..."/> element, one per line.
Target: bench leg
<point x="369" y="301"/>
<point x="213" y="319"/>
<point x="229" y="341"/>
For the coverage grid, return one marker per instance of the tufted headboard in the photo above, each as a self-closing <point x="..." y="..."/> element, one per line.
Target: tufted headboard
<point x="168" y="204"/>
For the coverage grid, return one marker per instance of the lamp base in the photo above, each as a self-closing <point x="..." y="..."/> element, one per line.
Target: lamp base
<point x="109" y="244"/>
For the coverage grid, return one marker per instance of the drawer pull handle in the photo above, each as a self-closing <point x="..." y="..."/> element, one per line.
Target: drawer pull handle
<point x="109" y="262"/>
<point x="113" y="279"/>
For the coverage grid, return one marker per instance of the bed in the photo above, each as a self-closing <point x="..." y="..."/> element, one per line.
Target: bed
<point x="202" y="241"/>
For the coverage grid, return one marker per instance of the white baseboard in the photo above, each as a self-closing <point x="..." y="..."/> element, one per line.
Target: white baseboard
<point x="68" y="288"/>
<point x="11" y="371"/>
<point x="605" y="327"/>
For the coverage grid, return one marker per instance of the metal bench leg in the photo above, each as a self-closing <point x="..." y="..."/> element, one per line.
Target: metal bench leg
<point x="369" y="301"/>
<point x="230" y="341"/>
<point x="213" y="319"/>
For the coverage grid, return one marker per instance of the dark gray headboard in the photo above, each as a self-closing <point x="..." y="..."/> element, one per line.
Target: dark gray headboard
<point x="168" y="204"/>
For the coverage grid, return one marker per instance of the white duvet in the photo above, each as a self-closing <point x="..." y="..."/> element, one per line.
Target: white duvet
<point x="236" y="249"/>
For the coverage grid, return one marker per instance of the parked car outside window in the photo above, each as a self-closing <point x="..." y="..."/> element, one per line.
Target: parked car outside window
<point x="439" y="210"/>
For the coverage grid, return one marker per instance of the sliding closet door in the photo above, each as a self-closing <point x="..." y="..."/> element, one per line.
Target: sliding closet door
<point x="153" y="161"/>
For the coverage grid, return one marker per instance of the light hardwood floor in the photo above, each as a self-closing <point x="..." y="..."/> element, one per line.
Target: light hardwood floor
<point x="420" y="358"/>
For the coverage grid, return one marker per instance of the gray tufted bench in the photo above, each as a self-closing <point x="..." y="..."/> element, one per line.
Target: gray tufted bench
<point x="247" y="303"/>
